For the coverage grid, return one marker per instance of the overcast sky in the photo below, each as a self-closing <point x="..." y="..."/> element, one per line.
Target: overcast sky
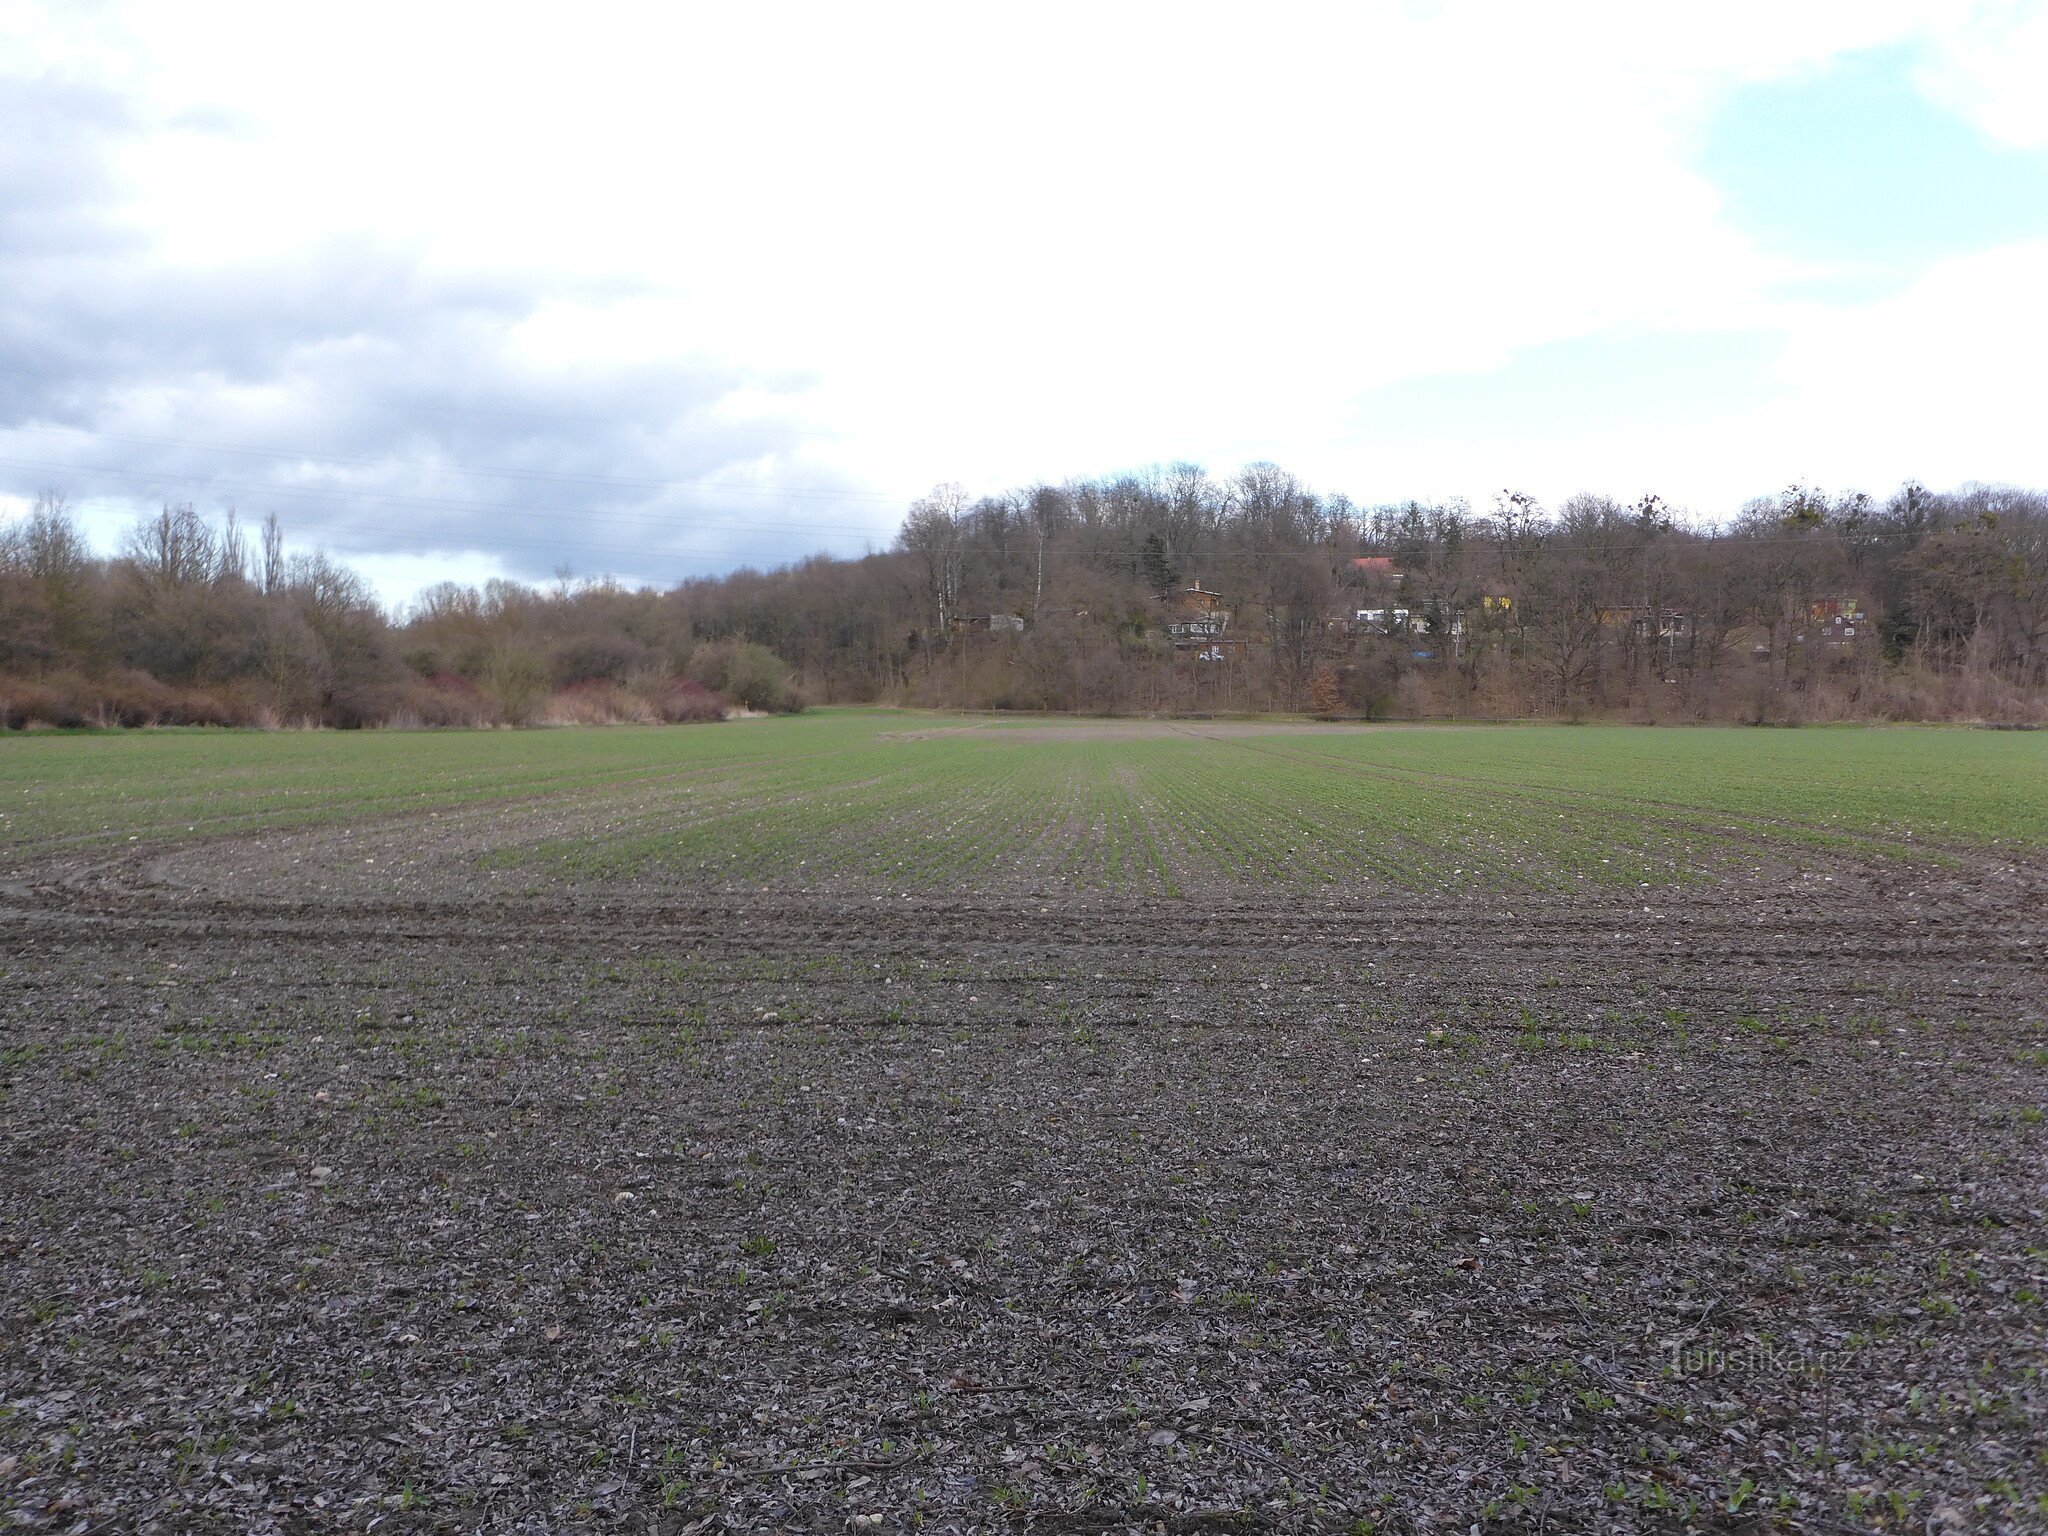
<point x="472" y="290"/>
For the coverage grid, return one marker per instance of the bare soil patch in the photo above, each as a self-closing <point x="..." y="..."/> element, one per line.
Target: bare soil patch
<point x="340" y="1196"/>
<point x="1146" y="728"/>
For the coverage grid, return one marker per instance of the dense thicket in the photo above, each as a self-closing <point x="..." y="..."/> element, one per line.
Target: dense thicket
<point x="1076" y="597"/>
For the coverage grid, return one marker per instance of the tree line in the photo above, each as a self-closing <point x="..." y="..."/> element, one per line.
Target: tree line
<point x="207" y="622"/>
<point x="1802" y="606"/>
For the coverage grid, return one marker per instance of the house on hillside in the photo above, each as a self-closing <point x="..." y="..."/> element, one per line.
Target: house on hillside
<point x="1836" y="625"/>
<point x="1196" y="613"/>
<point x="988" y="623"/>
<point x="1446" y="628"/>
<point x="1199" y="624"/>
<point x="1840" y="633"/>
<point x="1640" y="622"/>
<point x="1492" y="610"/>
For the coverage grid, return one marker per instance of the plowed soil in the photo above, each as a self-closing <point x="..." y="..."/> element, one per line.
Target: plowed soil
<point x="347" y="1184"/>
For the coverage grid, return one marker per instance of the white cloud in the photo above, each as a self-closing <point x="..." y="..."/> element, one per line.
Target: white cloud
<point x="400" y="578"/>
<point x="1941" y="381"/>
<point x="926" y="242"/>
<point x="1989" y="66"/>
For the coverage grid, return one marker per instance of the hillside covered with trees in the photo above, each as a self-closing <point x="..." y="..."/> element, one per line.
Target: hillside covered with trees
<point x="1166" y="591"/>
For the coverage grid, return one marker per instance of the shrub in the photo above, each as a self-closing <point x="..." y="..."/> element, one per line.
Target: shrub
<point x="685" y="701"/>
<point x="598" y="658"/>
<point x="750" y="675"/>
<point x="54" y="701"/>
<point x="70" y="700"/>
<point x="135" y="698"/>
<point x="1325" y="694"/>
<point x="355" y="705"/>
<point x="515" y="683"/>
<point x="445" y="699"/>
<point x="594" y="702"/>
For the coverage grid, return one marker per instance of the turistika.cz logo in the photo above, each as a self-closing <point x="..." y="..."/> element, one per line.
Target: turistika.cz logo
<point x="1751" y="1357"/>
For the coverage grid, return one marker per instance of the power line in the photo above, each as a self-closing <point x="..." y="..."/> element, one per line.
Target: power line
<point x="637" y="553"/>
<point x="801" y="434"/>
<point x="537" y="476"/>
<point x="550" y="477"/>
<point x="264" y="491"/>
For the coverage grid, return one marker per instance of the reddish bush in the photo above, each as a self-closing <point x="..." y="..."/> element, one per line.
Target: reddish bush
<point x="672" y="701"/>
<point x="685" y="701"/>
<point x="69" y="700"/>
<point x="41" y="701"/>
<point x="444" y="699"/>
<point x="136" y="698"/>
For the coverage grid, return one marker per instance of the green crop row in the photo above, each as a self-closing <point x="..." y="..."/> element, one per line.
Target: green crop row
<point x="880" y="800"/>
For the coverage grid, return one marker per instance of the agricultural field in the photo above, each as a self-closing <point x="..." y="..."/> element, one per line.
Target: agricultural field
<point x="884" y="1121"/>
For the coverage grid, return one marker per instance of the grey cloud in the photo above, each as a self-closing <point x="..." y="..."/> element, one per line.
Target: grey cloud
<point x="386" y="410"/>
<point x="54" y="176"/>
